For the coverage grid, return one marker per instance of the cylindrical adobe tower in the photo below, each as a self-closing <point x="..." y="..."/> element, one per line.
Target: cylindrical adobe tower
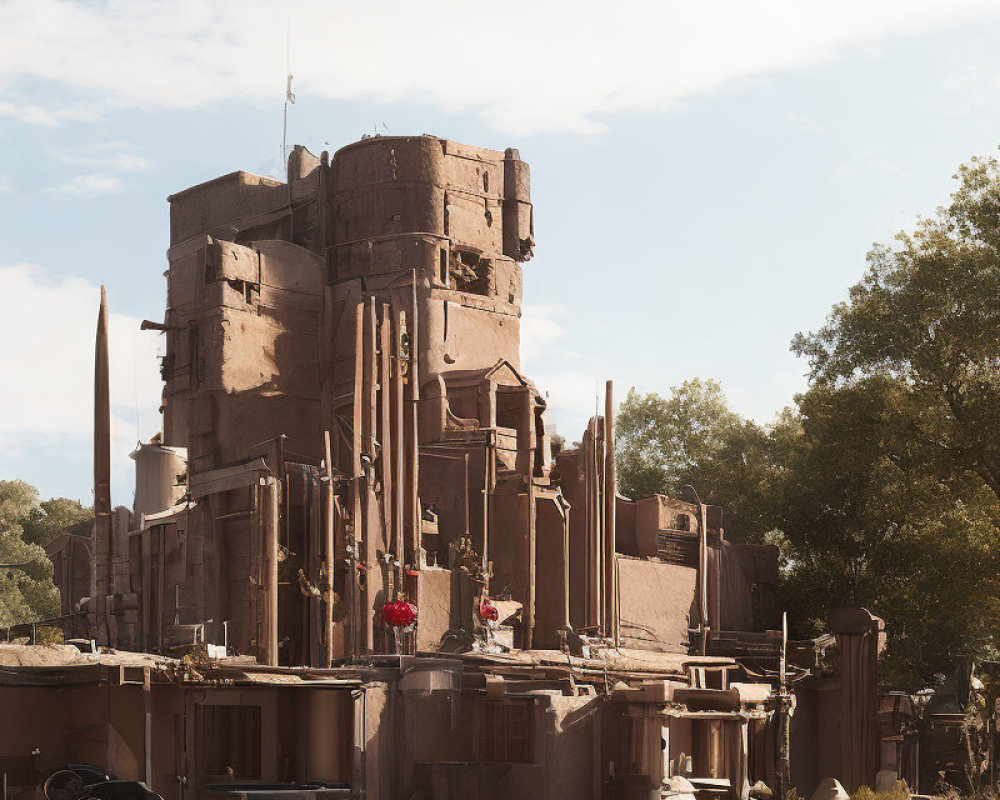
<point x="453" y="219"/>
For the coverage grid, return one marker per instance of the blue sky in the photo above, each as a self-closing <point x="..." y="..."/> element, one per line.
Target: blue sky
<point x="707" y="180"/>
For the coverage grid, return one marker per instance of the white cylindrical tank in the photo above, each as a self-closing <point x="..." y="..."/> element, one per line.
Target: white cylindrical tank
<point x="160" y="477"/>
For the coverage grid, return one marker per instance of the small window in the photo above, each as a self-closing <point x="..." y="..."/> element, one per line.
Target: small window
<point x="683" y="522"/>
<point x="505" y="731"/>
<point x="228" y="741"/>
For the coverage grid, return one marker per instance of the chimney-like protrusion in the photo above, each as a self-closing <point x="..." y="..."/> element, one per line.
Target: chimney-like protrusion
<point x="102" y="461"/>
<point x="518" y="226"/>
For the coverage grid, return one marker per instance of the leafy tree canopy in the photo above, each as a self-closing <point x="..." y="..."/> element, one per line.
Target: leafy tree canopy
<point x="842" y="489"/>
<point x="27" y="592"/>
<point x="693" y="437"/>
<point x="926" y="313"/>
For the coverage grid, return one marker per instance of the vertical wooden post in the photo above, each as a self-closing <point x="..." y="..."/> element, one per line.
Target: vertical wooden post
<point x="528" y="424"/>
<point x="386" y="439"/>
<point x="356" y="475"/>
<point x="273" y="493"/>
<point x="370" y="509"/>
<point x="703" y="574"/>
<point x="600" y="450"/>
<point x="610" y="582"/>
<point x="317" y="572"/>
<point x="399" y="444"/>
<point x="414" y="467"/>
<point x="486" y="513"/>
<point x="329" y="550"/>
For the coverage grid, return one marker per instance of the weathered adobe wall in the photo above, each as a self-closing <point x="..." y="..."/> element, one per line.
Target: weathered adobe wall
<point x="401" y="208"/>
<point x="439" y="747"/>
<point x="89" y="724"/>
<point x="658" y="602"/>
<point x="242" y="363"/>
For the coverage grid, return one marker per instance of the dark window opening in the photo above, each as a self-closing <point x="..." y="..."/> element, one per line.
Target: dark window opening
<point x="470" y="272"/>
<point x="510" y="405"/>
<point x="250" y="291"/>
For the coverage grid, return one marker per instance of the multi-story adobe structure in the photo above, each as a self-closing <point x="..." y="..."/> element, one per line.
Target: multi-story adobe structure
<point x="346" y="426"/>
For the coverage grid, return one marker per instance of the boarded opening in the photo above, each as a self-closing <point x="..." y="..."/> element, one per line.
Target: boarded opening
<point x="229" y="742"/>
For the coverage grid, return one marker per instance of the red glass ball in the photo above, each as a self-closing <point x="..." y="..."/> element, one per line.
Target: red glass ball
<point x="488" y="611"/>
<point x="399" y="614"/>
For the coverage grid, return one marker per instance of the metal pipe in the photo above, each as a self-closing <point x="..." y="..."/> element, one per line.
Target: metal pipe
<point x="610" y="582"/>
<point x="147" y="705"/>
<point x="466" y="494"/>
<point x="702" y="567"/>
<point x="271" y="521"/>
<point x="415" y="426"/>
<point x="703" y="578"/>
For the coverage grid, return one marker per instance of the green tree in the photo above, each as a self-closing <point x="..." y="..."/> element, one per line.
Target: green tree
<point x="842" y="488"/>
<point x="693" y="437"/>
<point x="27" y="592"/>
<point x="902" y="438"/>
<point x="926" y="313"/>
<point x="660" y="440"/>
<point x="57" y="515"/>
<point x="863" y="523"/>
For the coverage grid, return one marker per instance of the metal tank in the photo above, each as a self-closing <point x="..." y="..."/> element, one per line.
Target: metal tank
<point x="160" y="477"/>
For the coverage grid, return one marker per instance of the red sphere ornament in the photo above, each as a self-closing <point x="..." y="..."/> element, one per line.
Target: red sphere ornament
<point x="489" y="611"/>
<point x="399" y="614"/>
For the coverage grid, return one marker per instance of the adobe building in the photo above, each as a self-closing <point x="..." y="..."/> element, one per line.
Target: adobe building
<point x="356" y="555"/>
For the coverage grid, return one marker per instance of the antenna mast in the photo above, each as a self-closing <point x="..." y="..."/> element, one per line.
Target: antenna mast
<point x="289" y="98"/>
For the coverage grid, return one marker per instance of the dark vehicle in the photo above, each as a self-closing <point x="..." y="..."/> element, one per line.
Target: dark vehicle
<point x="90" y="782"/>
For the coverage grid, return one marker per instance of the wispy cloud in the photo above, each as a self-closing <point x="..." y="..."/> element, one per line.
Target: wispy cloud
<point x="889" y="167"/>
<point x="93" y="185"/>
<point x="558" y="371"/>
<point x="50" y="319"/>
<point x="45" y="117"/>
<point x="864" y="161"/>
<point x="540" y="331"/>
<point x="804" y="123"/>
<point x="6" y="186"/>
<point x="113" y="156"/>
<point x="567" y="64"/>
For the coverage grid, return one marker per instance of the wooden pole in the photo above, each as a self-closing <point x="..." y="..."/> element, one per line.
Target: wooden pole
<point x="356" y="477"/>
<point x="600" y="451"/>
<point x="415" y="427"/>
<point x="329" y="549"/>
<point x="610" y="583"/>
<point x="399" y="545"/>
<point x="271" y="572"/>
<point x="386" y="439"/>
<point x="368" y="444"/>
<point x="528" y="424"/>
